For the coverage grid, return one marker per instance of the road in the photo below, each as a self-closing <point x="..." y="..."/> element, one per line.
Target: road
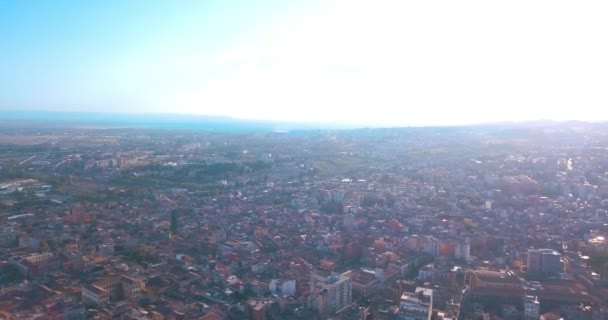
<point x="28" y="159"/>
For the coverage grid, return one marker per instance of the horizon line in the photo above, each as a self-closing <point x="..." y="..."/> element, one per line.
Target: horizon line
<point x="334" y="124"/>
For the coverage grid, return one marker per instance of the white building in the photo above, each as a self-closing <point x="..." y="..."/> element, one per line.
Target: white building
<point x="417" y="305"/>
<point x="426" y="272"/>
<point x="463" y="250"/>
<point x="282" y="287"/>
<point x="330" y="294"/>
<point x="432" y="245"/>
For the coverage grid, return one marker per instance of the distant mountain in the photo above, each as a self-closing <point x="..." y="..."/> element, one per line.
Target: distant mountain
<point x="227" y="124"/>
<point x="159" y="121"/>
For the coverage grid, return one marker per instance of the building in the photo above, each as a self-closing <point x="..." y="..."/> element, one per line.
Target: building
<point x="488" y="286"/>
<point x="544" y="261"/>
<point x="32" y="265"/>
<point x="131" y="288"/>
<point x="462" y="251"/>
<point x="427" y="272"/>
<point x="115" y="310"/>
<point x="112" y="289"/>
<point x="282" y="287"/>
<point x="257" y="309"/>
<point x="337" y="196"/>
<point x="417" y="305"/>
<point x="432" y="245"/>
<point x="367" y="282"/>
<point x="330" y="294"/>
<point x="39" y="257"/>
<point x="531" y="308"/>
<point x="92" y="295"/>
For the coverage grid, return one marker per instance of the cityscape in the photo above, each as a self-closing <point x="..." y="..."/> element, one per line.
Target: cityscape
<point x="303" y="160"/>
<point x="504" y="221"/>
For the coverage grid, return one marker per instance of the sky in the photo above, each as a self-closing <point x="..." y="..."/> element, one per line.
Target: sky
<point x="385" y="62"/>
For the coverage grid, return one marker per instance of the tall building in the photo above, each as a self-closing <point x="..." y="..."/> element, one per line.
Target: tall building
<point x="330" y="294"/>
<point x="534" y="264"/>
<point x="432" y="245"/>
<point x="531" y="308"/>
<point x="544" y="261"/>
<point x="337" y="196"/>
<point x="417" y="305"/>
<point x="463" y="250"/>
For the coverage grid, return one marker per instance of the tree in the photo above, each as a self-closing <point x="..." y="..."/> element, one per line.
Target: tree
<point x="598" y="259"/>
<point x="574" y="245"/>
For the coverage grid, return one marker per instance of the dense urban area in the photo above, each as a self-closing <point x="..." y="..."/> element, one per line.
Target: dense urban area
<point x="505" y="221"/>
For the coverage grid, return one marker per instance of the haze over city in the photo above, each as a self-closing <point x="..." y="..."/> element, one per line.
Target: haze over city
<point x="303" y="160"/>
<point x="384" y="63"/>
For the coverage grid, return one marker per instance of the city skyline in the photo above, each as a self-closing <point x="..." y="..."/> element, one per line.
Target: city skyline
<point x="390" y="64"/>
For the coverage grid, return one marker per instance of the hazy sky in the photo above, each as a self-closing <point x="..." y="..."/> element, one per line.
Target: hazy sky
<point x="373" y="62"/>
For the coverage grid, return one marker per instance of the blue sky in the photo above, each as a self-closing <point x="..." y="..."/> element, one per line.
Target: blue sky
<point x="386" y="62"/>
